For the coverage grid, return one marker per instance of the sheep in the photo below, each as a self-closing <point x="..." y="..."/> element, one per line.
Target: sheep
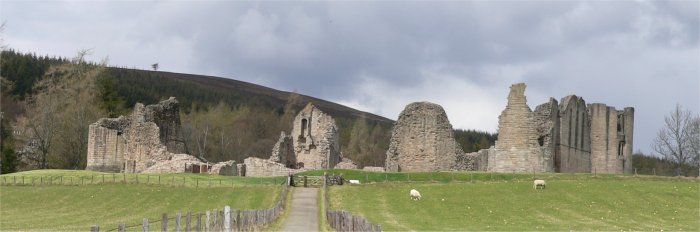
<point x="354" y="181"/>
<point x="415" y="195"/>
<point x="538" y="183"/>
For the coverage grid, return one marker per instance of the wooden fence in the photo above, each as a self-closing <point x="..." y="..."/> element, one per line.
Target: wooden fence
<point x="342" y="220"/>
<point x="225" y="219"/>
<point x="123" y="178"/>
<point x="307" y="181"/>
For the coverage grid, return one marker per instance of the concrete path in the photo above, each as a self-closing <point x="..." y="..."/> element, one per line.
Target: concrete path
<point x="303" y="215"/>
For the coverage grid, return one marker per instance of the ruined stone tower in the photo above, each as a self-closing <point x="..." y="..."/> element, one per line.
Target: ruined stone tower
<point x="517" y="148"/>
<point x="574" y="150"/>
<point x="315" y="139"/>
<point x="611" y="138"/>
<point x="150" y="135"/>
<point x="422" y="140"/>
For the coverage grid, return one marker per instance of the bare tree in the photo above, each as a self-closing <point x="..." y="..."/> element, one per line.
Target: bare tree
<point x="43" y="125"/>
<point x="677" y="140"/>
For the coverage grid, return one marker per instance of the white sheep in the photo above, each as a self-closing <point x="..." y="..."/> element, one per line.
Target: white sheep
<point x="538" y="183"/>
<point x="415" y="195"/>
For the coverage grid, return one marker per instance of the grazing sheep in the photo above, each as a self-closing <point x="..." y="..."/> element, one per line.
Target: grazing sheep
<point x="415" y="195"/>
<point x="538" y="183"/>
<point x="354" y="181"/>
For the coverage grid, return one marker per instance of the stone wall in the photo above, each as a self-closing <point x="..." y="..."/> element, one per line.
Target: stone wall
<point x="346" y="163"/>
<point x="611" y="138"/>
<point x="517" y="148"/>
<point x="547" y="123"/>
<point x="422" y="140"/>
<point x="315" y="139"/>
<point x="474" y="161"/>
<point x="373" y="169"/>
<point x="263" y="167"/>
<point x="149" y="140"/>
<point x="283" y="151"/>
<point x="106" y="145"/>
<point x="574" y="150"/>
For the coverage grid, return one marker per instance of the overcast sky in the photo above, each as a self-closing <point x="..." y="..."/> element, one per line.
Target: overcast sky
<point x="378" y="57"/>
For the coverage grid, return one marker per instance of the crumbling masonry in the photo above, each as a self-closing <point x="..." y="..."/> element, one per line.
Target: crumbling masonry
<point x="149" y="140"/>
<point x="313" y="144"/>
<point x="570" y="137"/>
<point x="422" y="140"/>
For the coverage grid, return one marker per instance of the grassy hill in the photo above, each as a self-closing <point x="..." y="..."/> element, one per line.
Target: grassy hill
<point x="570" y="202"/>
<point x="67" y="207"/>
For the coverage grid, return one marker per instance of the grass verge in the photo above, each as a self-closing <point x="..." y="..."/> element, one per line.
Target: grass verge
<point x="591" y="204"/>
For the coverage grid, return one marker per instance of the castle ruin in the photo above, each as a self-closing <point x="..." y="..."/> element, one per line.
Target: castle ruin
<point x="149" y="140"/>
<point x="315" y="139"/>
<point x="422" y="140"/>
<point x="312" y="144"/>
<point x="569" y="137"/>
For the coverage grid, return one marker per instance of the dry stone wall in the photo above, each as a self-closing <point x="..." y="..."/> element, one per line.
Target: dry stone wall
<point x="422" y="140"/>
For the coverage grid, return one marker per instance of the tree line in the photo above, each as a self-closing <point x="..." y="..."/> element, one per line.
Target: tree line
<point x="48" y="104"/>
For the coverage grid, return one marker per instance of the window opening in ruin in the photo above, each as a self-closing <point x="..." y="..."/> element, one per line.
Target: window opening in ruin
<point x="620" y="149"/>
<point x="620" y="122"/>
<point x="302" y="137"/>
<point x="540" y="140"/>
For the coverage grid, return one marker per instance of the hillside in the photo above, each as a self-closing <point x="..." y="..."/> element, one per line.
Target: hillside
<point x="223" y="119"/>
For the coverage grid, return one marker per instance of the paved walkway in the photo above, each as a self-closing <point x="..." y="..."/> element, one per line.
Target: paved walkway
<point x="303" y="215"/>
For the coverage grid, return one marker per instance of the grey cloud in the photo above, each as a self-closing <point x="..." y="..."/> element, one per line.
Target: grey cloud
<point x="381" y="55"/>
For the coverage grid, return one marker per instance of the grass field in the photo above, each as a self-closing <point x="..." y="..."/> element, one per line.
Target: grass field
<point x="68" y="207"/>
<point x="583" y="204"/>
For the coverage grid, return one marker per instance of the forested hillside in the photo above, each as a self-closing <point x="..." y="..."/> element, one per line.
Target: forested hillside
<point x="222" y="118"/>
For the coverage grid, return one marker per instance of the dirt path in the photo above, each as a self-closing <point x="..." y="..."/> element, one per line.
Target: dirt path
<point x="303" y="215"/>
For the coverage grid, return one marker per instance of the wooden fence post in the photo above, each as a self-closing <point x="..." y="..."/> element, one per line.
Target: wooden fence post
<point x="177" y="222"/>
<point x="164" y="223"/>
<point x="145" y="225"/>
<point x="198" y="226"/>
<point x="95" y="228"/>
<point x="227" y="218"/>
<point x="188" y="218"/>
<point x="305" y="181"/>
<point x="206" y="222"/>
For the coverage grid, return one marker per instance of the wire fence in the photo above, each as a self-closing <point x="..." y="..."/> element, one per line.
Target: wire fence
<point x="203" y="181"/>
<point x="224" y="219"/>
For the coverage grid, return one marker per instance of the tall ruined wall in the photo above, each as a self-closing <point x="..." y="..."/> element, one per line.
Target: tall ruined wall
<point x="611" y="138"/>
<point x="517" y="148"/>
<point x="547" y="126"/>
<point x="150" y="135"/>
<point x="422" y="140"/>
<point x="106" y="145"/>
<point x="574" y="150"/>
<point x="166" y="115"/>
<point x="315" y="139"/>
<point x="283" y="151"/>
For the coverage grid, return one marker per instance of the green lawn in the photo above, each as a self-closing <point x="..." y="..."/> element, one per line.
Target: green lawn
<point x="76" y="207"/>
<point x="586" y="204"/>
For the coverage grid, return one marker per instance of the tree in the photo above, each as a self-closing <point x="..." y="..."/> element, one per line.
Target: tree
<point x="8" y="157"/>
<point x="678" y="139"/>
<point x="155" y="67"/>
